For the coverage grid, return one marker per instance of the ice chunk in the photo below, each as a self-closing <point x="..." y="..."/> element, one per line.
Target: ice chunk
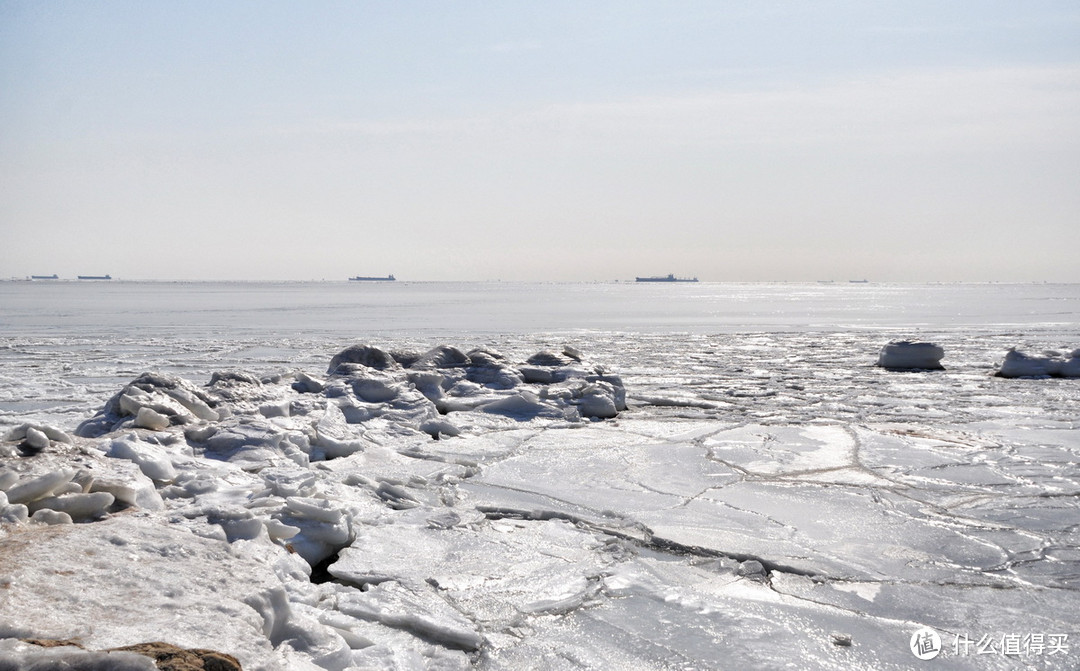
<point x="364" y="355"/>
<point x="333" y="434"/>
<point x="131" y="488"/>
<point x="572" y="352"/>
<point x="49" y="516"/>
<point x="78" y="506"/>
<point x="36" y="439"/>
<point x="275" y="409"/>
<point x="537" y="374"/>
<point x="285" y="482"/>
<point x="234" y="377"/>
<point x="323" y="528"/>
<point x="428" y="383"/>
<point x="172" y="397"/>
<point x="1070" y="367"/>
<point x="417" y="610"/>
<point x="18" y="656"/>
<point x="22" y="431"/>
<point x="319" y="510"/>
<point x="278" y="530"/>
<point x="522" y="405"/>
<point x="148" y="418"/>
<point x="243" y="528"/>
<point x="439" y="427"/>
<point x="151" y="459"/>
<point x="597" y="400"/>
<point x="374" y="390"/>
<point x="1018" y="364"/>
<point x="484" y="356"/>
<point x="193" y="401"/>
<point x="41" y="486"/>
<point x="306" y="384"/>
<point x="495" y="376"/>
<point x="546" y="358"/>
<point x="910" y="355"/>
<point x="443" y="356"/>
<point x="14" y="514"/>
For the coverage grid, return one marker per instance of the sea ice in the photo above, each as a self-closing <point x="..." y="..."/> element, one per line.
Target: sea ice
<point x="763" y="505"/>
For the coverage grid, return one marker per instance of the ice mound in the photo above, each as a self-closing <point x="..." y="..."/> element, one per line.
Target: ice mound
<point x="911" y="355"/>
<point x="1052" y="364"/>
<point x="30" y="438"/>
<point x="273" y="477"/>
<point x="49" y="490"/>
<point x="153" y="401"/>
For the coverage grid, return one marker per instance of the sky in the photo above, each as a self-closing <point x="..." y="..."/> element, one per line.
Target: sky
<point x="906" y="141"/>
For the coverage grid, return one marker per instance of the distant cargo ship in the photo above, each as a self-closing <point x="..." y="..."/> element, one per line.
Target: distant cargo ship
<point x="54" y="276"/>
<point x="388" y="278"/>
<point x="95" y="277"/>
<point x="667" y="278"/>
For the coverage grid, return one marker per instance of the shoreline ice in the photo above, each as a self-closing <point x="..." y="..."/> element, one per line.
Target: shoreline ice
<point x="784" y="503"/>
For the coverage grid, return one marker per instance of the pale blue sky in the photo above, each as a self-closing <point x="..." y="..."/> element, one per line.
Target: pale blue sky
<point x="896" y="141"/>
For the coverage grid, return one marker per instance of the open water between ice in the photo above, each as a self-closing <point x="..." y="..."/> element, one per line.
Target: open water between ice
<point x="768" y="498"/>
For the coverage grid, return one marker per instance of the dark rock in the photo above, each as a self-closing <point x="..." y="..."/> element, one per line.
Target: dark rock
<point x="169" y="657"/>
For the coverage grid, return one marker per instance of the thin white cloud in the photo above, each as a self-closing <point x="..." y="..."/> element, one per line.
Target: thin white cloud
<point x="898" y="112"/>
<point x="939" y="110"/>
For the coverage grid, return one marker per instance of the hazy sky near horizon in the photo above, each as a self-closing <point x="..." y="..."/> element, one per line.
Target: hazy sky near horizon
<point x="924" y="140"/>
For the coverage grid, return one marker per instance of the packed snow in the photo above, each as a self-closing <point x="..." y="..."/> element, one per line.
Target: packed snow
<point x="586" y="500"/>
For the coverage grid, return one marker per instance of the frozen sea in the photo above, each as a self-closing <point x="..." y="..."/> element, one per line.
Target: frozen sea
<point x="765" y="498"/>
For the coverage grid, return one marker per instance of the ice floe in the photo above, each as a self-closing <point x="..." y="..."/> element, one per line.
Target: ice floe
<point x="1052" y="364"/>
<point x="908" y="355"/>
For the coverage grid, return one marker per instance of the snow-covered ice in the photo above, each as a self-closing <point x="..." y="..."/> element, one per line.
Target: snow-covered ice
<point x="907" y="355"/>
<point x="572" y="500"/>
<point x="1052" y="364"/>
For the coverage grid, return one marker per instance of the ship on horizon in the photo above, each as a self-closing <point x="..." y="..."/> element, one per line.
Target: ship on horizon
<point x="670" y="277"/>
<point x="95" y="277"/>
<point x="358" y="278"/>
<point x="54" y="276"/>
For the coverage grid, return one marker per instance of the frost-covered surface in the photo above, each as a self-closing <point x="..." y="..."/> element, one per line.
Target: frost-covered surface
<point x="766" y="500"/>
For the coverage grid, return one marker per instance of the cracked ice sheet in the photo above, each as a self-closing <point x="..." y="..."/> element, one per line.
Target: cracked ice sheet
<point x="544" y="567"/>
<point x="751" y="502"/>
<point x="758" y="500"/>
<point x="928" y="528"/>
<point x="606" y="470"/>
<point x="662" y="612"/>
